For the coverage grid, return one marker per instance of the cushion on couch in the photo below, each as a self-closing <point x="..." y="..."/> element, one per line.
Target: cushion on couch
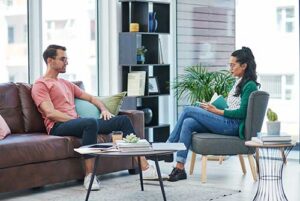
<point x="87" y="109"/>
<point x="10" y="107"/>
<point x="33" y="121"/>
<point x="24" y="149"/>
<point x="4" y="129"/>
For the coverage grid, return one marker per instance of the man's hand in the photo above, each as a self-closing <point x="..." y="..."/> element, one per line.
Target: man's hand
<point x="106" y="115"/>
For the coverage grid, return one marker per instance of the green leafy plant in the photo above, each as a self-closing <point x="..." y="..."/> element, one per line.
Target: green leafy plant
<point x="198" y="84"/>
<point x="271" y="115"/>
<point x="141" y="50"/>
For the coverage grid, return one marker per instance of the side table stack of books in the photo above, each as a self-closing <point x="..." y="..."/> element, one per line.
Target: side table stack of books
<point x="264" y="138"/>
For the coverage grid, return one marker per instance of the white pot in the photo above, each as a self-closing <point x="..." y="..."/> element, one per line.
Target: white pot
<point x="273" y="127"/>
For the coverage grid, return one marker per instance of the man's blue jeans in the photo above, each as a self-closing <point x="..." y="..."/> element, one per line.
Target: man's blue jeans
<point x="196" y="119"/>
<point x="89" y="128"/>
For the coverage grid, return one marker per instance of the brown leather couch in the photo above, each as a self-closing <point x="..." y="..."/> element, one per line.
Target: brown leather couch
<point x="31" y="158"/>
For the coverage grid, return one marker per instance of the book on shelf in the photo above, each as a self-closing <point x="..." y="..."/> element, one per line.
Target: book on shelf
<point x="136" y="83"/>
<point x="260" y="141"/>
<point x="281" y="137"/>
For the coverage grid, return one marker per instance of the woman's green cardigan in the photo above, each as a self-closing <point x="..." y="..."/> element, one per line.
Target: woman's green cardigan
<point x="241" y="112"/>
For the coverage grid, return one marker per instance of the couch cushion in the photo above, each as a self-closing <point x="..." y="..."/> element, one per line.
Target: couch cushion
<point x="86" y="109"/>
<point x="4" y="129"/>
<point x="10" y="107"/>
<point x="33" y="121"/>
<point x="214" y="144"/>
<point x="112" y="103"/>
<point x="23" y="149"/>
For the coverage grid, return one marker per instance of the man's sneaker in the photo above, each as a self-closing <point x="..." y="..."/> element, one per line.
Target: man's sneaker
<point x="95" y="185"/>
<point x="177" y="174"/>
<point x="151" y="174"/>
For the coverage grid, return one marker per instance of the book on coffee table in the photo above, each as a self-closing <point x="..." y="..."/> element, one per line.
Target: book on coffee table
<point x="161" y="146"/>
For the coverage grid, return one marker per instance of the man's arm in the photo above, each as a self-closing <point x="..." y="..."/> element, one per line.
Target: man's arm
<point x="104" y="112"/>
<point x="50" y="112"/>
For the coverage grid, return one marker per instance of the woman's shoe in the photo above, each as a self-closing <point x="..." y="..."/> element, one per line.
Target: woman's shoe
<point x="177" y="174"/>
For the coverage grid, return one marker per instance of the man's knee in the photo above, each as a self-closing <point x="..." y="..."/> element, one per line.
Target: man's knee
<point x="124" y="119"/>
<point x="91" y="123"/>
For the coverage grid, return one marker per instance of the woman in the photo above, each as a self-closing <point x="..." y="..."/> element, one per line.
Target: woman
<point x="207" y="118"/>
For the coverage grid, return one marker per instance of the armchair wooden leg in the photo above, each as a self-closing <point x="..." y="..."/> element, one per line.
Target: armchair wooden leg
<point x="242" y="163"/>
<point x="221" y="158"/>
<point x="257" y="160"/>
<point x="193" y="159"/>
<point x="252" y="166"/>
<point x="203" y="171"/>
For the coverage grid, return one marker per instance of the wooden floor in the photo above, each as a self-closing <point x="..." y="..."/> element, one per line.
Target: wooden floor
<point x="228" y="175"/>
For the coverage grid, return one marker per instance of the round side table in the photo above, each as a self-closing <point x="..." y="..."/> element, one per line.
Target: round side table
<point x="270" y="159"/>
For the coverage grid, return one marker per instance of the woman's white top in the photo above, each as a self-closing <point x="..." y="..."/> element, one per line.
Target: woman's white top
<point x="234" y="102"/>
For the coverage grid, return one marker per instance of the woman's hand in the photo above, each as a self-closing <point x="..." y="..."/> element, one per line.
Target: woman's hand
<point x="208" y="107"/>
<point x="106" y="115"/>
<point x="211" y="108"/>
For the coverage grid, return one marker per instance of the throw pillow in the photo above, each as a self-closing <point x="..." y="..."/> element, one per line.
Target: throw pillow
<point x="4" y="129"/>
<point x="86" y="109"/>
<point x="112" y="103"/>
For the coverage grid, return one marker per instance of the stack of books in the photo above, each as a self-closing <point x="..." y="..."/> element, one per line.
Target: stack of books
<point x="264" y="138"/>
<point x="141" y="145"/>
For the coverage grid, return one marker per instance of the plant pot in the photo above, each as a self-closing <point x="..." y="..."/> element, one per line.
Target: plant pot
<point x="273" y="127"/>
<point x="140" y="59"/>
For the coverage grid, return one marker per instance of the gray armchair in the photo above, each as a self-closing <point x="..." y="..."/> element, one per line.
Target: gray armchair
<point x="215" y="144"/>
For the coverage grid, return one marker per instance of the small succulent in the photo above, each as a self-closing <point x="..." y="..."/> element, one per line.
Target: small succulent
<point x="272" y="116"/>
<point x="131" y="138"/>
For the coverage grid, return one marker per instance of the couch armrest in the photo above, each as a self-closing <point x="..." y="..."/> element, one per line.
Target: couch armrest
<point x="137" y="120"/>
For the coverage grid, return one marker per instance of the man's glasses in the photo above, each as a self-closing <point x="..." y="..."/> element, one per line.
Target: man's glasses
<point x="63" y="59"/>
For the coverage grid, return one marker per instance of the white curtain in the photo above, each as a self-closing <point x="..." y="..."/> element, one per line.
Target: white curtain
<point x="109" y="23"/>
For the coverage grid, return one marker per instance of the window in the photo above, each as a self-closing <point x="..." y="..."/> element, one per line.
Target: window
<point x="13" y="46"/>
<point x="273" y="35"/>
<point x="11" y="34"/>
<point x="9" y="3"/>
<point x="93" y="30"/>
<point x="285" y="19"/>
<point x="271" y="84"/>
<point x="74" y="30"/>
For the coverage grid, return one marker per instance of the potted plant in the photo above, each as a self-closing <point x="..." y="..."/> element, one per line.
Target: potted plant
<point x="140" y="55"/>
<point x="273" y="125"/>
<point x="198" y="84"/>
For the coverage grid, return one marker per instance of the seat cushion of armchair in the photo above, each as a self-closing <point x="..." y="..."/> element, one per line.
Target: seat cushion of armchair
<point x="214" y="144"/>
<point x="21" y="149"/>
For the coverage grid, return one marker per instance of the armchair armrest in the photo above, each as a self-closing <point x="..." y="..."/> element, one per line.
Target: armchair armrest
<point x="137" y="120"/>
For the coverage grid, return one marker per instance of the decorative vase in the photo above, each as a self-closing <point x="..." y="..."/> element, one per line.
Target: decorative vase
<point x="148" y="115"/>
<point x="140" y="59"/>
<point x="273" y="127"/>
<point x="152" y="22"/>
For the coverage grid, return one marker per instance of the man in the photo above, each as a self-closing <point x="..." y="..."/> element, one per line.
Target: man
<point x="54" y="98"/>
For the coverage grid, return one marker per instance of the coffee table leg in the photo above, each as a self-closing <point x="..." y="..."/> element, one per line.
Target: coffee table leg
<point x="141" y="173"/>
<point x="160" y="178"/>
<point x="92" y="179"/>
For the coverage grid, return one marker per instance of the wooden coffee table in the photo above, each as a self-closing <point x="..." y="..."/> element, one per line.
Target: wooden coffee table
<point x="154" y="154"/>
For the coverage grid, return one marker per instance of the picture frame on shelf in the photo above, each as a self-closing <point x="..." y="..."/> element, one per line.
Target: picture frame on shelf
<point x="153" y="86"/>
